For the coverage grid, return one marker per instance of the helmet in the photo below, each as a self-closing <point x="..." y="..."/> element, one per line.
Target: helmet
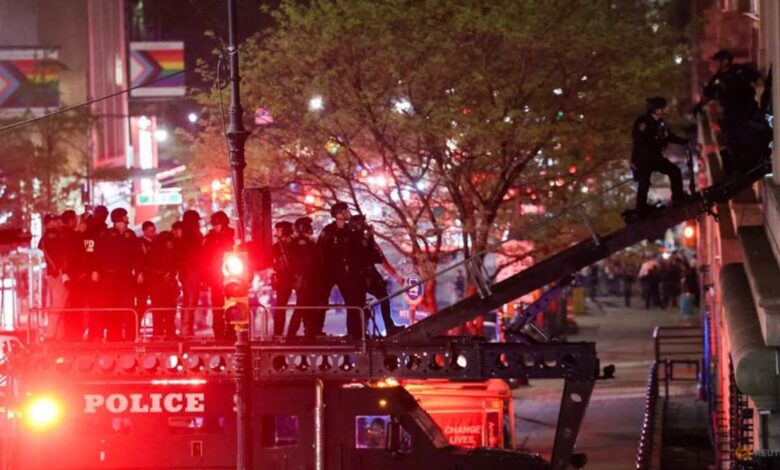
<point x="219" y="217"/>
<point x="358" y="220"/>
<point x="118" y="215"/>
<point x="654" y="103"/>
<point x="338" y="208"/>
<point x="723" y="54"/>
<point x="285" y="227"/>
<point x="101" y="213"/>
<point x="190" y="216"/>
<point x="304" y="225"/>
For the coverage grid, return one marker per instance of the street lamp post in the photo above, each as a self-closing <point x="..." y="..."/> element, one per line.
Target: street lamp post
<point x="236" y="136"/>
<point x="236" y="133"/>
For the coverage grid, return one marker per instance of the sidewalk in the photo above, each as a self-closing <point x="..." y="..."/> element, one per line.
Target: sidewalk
<point x="610" y="430"/>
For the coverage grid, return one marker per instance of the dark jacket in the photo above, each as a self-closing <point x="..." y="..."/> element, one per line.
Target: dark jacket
<point x="56" y="251"/>
<point x="118" y="253"/>
<point x="305" y="263"/>
<point x="651" y="136"/>
<point x="337" y="249"/>
<point x="734" y="88"/>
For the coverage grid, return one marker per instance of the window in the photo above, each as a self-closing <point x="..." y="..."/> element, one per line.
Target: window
<point x="371" y="432"/>
<point x="375" y="431"/>
<point x="280" y="431"/>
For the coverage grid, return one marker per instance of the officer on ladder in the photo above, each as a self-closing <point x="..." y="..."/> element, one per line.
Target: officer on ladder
<point x="651" y="135"/>
<point x="747" y="132"/>
<point x="282" y="280"/>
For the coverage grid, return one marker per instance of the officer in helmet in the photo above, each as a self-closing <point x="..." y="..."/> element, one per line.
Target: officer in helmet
<point x="337" y="244"/>
<point x="747" y="132"/>
<point x="305" y="266"/>
<point x="216" y="243"/>
<point x="367" y="258"/>
<point x="651" y="136"/>
<point x="118" y="270"/>
<point x="282" y="280"/>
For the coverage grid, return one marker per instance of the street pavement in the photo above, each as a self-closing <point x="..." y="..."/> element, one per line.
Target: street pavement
<point x="610" y="430"/>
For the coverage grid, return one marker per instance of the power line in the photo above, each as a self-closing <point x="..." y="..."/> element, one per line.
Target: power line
<point x="87" y="103"/>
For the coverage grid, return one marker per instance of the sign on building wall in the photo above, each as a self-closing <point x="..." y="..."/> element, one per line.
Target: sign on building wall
<point x="29" y="81"/>
<point x="158" y="65"/>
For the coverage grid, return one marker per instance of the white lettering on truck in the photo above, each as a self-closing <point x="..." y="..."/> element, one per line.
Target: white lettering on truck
<point x="145" y="403"/>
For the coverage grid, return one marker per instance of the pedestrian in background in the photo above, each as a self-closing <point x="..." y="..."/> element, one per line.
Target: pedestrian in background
<point x="282" y="278"/>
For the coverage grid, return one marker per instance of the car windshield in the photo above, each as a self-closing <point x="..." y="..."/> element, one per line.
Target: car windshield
<point x="429" y="427"/>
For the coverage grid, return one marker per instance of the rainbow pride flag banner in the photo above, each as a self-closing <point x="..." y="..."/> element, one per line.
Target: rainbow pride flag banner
<point x="29" y="81"/>
<point x="153" y="65"/>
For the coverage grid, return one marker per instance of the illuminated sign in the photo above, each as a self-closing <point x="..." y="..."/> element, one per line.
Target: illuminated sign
<point x="159" y="198"/>
<point x="461" y="429"/>
<point x="145" y="403"/>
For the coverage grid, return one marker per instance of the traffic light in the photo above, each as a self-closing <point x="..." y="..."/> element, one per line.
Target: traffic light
<point x="689" y="234"/>
<point x="235" y="268"/>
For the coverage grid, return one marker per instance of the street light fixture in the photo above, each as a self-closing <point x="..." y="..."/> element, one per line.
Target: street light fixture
<point x="316" y="103"/>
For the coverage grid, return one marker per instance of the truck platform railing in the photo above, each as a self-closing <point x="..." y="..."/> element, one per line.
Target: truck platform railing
<point x="678" y="346"/>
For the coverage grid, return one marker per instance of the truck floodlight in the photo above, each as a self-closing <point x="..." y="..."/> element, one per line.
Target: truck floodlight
<point x="43" y="413"/>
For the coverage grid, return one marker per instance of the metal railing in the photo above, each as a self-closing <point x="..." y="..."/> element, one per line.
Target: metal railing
<point x="645" y="450"/>
<point x="48" y="324"/>
<point x="678" y="345"/>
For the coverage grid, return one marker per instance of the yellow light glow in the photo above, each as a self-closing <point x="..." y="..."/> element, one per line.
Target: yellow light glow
<point x="689" y="231"/>
<point x="43" y="413"/>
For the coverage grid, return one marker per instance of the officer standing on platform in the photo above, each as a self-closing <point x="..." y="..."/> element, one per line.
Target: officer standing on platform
<point x="338" y="245"/>
<point x="163" y="285"/>
<point x="370" y="256"/>
<point x="216" y="243"/>
<point x="651" y="136"/>
<point x="190" y="247"/>
<point x="119" y="271"/>
<point x="143" y="294"/>
<point x="282" y="280"/>
<point x="305" y="266"/>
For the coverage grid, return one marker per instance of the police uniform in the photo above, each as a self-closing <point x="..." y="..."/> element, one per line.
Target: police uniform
<point x="215" y="245"/>
<point x="651" y="136"/>
<point x="339" y="248"/>
<point x="118" y="263"/>
<point x="282" y="283"/>
<point x="163" y="284"/>
<point x="85" y="292"/>
<point x="744" y="125"/>
<point x="305" y="266"/>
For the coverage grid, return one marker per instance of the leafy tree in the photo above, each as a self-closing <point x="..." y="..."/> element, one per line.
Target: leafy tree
<point x="444" y="119"/>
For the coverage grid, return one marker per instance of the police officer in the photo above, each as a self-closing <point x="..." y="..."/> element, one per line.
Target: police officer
<point x="54" y="245"/>
<point x="118" y="269"/>
<point x="651" y="136"/>
<point x="190" y="247"/>
<point x="143" y="294"/>
<point x="282" y="280"/>
<point x="305" y="266"/>
<point x="747" y="132"/>
<point x="163" y="284"/>
<point x="216" y="243"/>
<point x="370" y="255"/>
<point x="338" y="244"/>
